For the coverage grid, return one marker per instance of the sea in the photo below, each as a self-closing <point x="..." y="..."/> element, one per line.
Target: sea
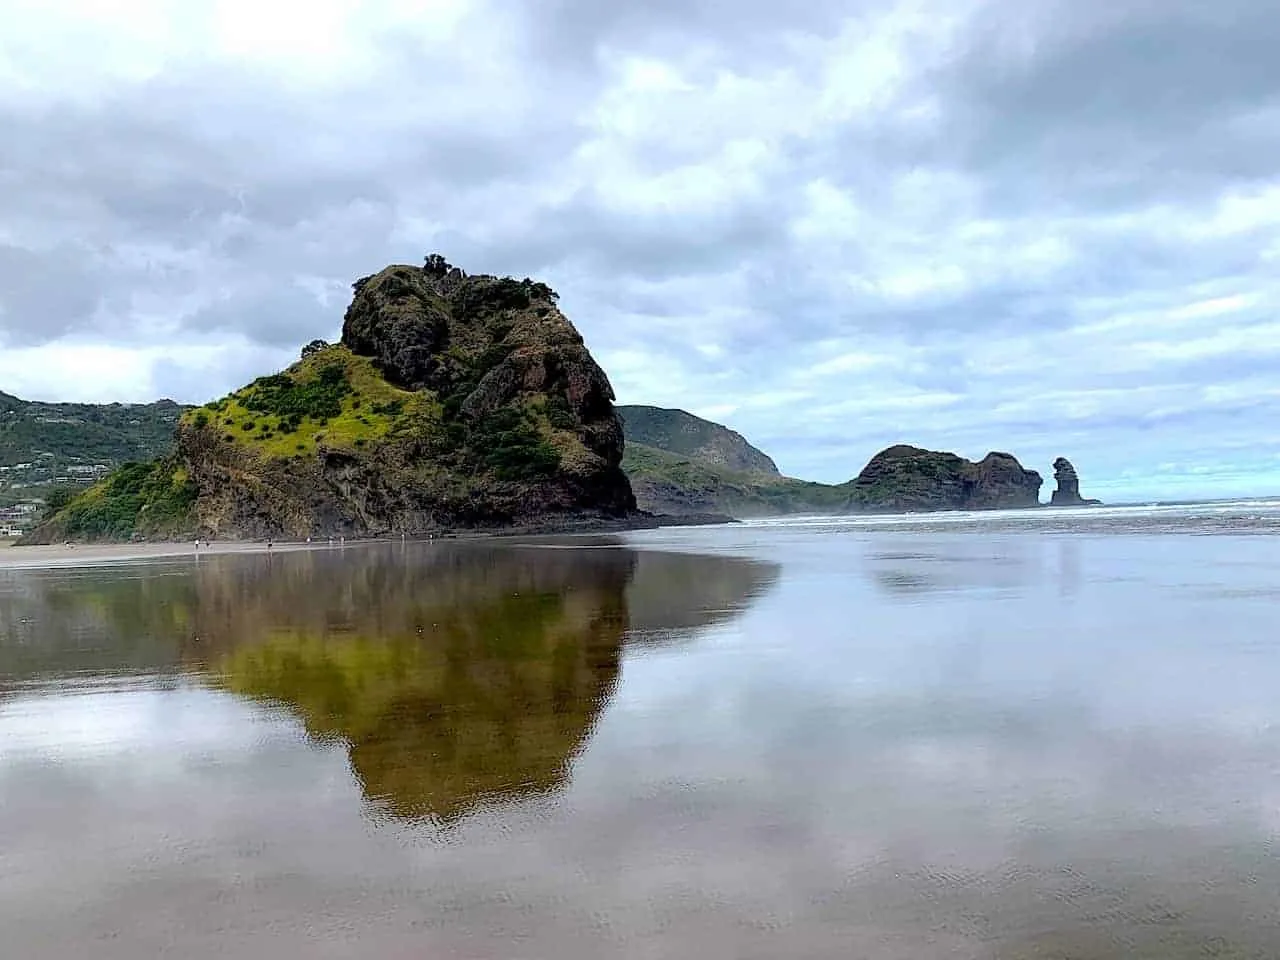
<point x="1049" y="734"/>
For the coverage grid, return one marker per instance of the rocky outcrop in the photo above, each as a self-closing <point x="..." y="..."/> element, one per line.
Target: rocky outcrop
<point x="452" y="401"/>
<point x="1068" y="492"/>
<point x="906" y="478"/>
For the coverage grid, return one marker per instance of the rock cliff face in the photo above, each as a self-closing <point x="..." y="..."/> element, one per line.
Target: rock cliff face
<point x="451" y="401"/>
<point x="1068" y="492"/>
<point x="905" y="478"/>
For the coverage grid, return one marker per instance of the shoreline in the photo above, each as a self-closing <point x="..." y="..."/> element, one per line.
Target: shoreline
<point x="51" y="556"/>
<point x="18" y="556"/>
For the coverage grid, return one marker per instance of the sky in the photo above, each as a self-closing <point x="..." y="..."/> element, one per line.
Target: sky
<point x="1047" y="228"/>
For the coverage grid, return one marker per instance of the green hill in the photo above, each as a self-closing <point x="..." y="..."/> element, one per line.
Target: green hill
<point x="669" y="483"/>
<point x="43" y="442"/>
<point x="681" y="464"/>
<point x="703" y="441"/>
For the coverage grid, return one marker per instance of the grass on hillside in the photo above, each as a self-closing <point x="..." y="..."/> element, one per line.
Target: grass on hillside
<point x="338" y="399"/>
<point x="331" y="397"/>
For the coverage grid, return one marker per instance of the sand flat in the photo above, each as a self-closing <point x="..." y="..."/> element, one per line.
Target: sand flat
<point x="93" y="554"/>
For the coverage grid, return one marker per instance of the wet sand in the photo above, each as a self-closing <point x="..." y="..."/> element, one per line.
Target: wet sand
<point x="981" y="738"/>
<point x="92" y="554"/>
<point x="14" y="556"/>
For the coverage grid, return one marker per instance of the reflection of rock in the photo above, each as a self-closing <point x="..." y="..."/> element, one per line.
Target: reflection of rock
<point x="469" y="676"/>
<point x="1068" y="492"/>
<point x="929" y="568"/>
<point x="454" y="673"/>
<point x="671" y="594"/>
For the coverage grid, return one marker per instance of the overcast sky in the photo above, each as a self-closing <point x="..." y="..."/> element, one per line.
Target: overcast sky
<point x="1043" y="227"/>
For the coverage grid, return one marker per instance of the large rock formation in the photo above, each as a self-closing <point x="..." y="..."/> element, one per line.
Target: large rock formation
<point x="905" y="478"/>
<point x="451" y="401"/>
<point x="1068" y="492"/>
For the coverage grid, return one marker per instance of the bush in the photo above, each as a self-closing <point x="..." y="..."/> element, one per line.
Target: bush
<point x="57" y="498"/>
<point x="481" y="299"/>
<point x="508" y="444"/>
<point x="559" y="413"/>
<point x="280" y="395"/>
<point x="114" y="511"/>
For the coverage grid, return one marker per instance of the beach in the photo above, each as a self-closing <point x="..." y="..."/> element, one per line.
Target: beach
<point x="93" y="554"/>
<point x="946" y="737"/>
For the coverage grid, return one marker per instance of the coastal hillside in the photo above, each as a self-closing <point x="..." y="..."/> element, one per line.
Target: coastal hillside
<point x="677" y="485"/>
<point x="42" y="444"/>
<point x="451" y="401"/>
<point x="682" y="465"/>
<point x="704" y="441"/>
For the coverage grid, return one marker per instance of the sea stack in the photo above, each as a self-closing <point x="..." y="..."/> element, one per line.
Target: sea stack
<point x="1068" y="492"/>
<point x="906" y="478"/>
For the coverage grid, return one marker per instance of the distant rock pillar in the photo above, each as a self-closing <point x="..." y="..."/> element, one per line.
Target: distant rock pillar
<point x="1068" y="492"/>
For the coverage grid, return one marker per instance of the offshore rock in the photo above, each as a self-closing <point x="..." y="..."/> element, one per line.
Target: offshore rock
<point x="1068" y="492"/>
<point x="903" y="478"/>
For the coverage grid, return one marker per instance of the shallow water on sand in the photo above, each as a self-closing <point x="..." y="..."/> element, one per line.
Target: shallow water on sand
<point x="1053" y="734"/>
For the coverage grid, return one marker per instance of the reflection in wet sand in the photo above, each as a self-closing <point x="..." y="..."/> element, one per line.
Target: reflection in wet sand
<point x="911" y="745"/>
<point x="454" y="674"/>
<point x="452" y="684"/>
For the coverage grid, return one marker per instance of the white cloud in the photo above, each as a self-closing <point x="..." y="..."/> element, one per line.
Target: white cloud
<point x="837" y="226"/>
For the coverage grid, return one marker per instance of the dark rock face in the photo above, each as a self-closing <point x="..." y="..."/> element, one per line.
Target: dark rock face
<point x="906" y="478"/>
<point x="1068" y="492"/>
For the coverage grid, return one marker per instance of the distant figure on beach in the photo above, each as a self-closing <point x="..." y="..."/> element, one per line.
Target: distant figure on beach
<point x="268" y="544"/>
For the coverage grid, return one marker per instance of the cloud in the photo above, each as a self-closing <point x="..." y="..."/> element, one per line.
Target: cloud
<point x="1047" y="228"/>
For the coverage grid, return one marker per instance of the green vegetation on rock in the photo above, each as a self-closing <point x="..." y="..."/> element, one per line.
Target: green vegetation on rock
<point x="330" y="397"/>
<point x="451" y="401"/>
<point x="906" y="478"/>
<point x="139" y="499"/>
